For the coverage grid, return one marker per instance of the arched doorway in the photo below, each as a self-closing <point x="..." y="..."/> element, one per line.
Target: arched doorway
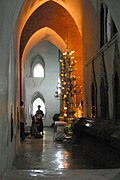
<point x="38" y="101"/>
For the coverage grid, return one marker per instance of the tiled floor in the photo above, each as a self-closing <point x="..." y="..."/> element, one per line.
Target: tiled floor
<point x="48" y="159"/>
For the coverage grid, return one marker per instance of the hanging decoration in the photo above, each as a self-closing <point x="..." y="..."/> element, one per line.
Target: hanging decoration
<point x="67" y="87"/>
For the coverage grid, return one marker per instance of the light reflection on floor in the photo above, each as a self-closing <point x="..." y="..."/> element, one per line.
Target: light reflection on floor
<point x="45" y="153"/>
<point x="61" y="159"/>
<point x="43" y="159"/>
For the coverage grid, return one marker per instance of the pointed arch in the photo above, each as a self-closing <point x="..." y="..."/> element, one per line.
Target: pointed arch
<point x="107" y="25"/>
<point x="32" y="6"/>
<point x="37" y="68"/>
<point x="37" y="99"/>
<point x="44" y="34"/>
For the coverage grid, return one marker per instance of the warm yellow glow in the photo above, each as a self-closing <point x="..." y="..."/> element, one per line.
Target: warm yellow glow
<point x="64" y="53"/>
<point x="72" y="52"/>
<point x="29" y="7"/>
<point x="79" y="113"/>
<point x="64" y="83"/>
<point x="61" y="75"/>
<point x="65" y="96"/>
<point x="47" y="33"/>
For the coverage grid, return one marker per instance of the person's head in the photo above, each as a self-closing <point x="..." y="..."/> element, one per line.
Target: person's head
<point x="39" y="106"/>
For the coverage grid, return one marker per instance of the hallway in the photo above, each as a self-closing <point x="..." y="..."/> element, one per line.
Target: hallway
<point x="49" y="159"/>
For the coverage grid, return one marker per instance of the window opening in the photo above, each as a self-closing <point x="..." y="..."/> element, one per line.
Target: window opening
<point x="108" y="25"/>
<point x="38" y="70"/>
<point x="59" y="86"/>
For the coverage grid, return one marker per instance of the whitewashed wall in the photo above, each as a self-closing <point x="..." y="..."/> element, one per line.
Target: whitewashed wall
<point x="8" y="84"/>
<point x="45" y="86"/>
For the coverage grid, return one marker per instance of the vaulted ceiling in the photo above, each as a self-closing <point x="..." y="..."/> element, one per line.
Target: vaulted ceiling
<point x="55" y="17"/>
<point x="53" y="22"/>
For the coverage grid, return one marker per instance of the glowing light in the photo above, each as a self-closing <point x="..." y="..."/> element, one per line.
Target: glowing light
<point x="38" y="71"/>
<point x="65" y="96"/>
<point x="61" y="159"/>
<point x="64" y="83"/>
<point x="64" y="53"/>
<point x="88" y="125"/>
<point x="33" y="174"/>
<point x="72" y="52"/>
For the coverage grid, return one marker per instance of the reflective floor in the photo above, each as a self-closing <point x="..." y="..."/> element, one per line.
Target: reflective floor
<point x="45" y="158"/>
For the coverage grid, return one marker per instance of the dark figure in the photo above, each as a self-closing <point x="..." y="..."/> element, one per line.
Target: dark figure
<point x="39" y="115"/>
<point x="56" y="117"/>
<point x="78" y="129"/>
<point x="35" y="127"/>
<point x="32" y="125"/>
<point x="22" y="121"/>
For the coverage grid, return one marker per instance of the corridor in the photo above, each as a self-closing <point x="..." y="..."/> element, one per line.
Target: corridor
<point x="49" y="159"/>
